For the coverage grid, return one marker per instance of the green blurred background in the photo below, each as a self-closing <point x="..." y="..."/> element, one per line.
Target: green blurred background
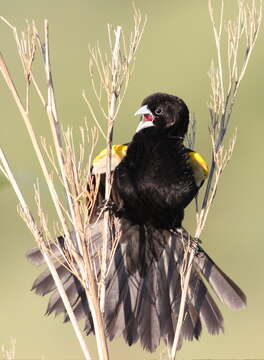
<point x="174" y="57"/>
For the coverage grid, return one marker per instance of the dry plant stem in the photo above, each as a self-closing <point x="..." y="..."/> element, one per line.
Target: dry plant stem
<point x="112" y="71"/>
<point x="248" y="23"/>
<point x="74" y="209"/>
<point x="26" y="118"/>
<point x="37" y="234"/>
<point x="114" y="78"/>
<point x="110" y="127"/>
<point x="99" y="329"/>
<point x="93" y="115"/>
<point x="23" y="50"/>
<point x="8" y="353"/>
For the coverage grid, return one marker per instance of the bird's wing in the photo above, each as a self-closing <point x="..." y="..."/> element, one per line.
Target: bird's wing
<point x="197" y="162"/>
<point x="199" y="167"/>
<point x="99" y="162"/>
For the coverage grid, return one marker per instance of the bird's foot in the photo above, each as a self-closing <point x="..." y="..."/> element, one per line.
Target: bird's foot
<point x="107" y="205"/>
<point x="195" y="245"/>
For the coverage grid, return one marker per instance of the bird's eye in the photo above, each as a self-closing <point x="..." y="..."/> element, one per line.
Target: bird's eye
<point x="158" y="111"/>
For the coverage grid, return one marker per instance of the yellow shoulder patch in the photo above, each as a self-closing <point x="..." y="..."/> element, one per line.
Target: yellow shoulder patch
<point x="99" y="162"/>
<point x="199" y="166"/>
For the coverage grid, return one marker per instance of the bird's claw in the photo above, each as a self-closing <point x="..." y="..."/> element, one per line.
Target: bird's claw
<point x="194" y="245"/>
<point x="106" y="205"/>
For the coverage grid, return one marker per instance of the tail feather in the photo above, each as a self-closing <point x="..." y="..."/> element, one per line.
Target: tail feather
<point x="35" y="256"/>
<point x="225" y="288"/>
<point x="89" y="327"/>
<point x="195" y="328"/>
<point x="169" y="339"/>
<point x="130" y="333"/>
<point x="119" y="302"/>
<point x="148" y="312"/>
<point x="168" y="285"/>
<point x="128" y="304"/>
<point x="143" y="288"/>
<point x="44" y="283"/>
<point x="205" y="304"/>
<point x="81" y="310"/>
<point x="78" y="310"/>
<point x="55" y="304"/>
<point x="191" y="327"/>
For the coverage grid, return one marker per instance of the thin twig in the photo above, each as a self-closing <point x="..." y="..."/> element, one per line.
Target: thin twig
<point x="73" y="208"/>
<point x="80" y="253"/>
<point x="220" y="109"/>
<point x="108" y="180"/>
<point x="37" y="235"/>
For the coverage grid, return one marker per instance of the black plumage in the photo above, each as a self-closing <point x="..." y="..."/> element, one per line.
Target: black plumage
<point x="155" y="180"/>
<point x="152" y="185"/>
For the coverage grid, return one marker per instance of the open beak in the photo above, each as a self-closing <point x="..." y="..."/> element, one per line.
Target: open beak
<point x="146" y="119"/>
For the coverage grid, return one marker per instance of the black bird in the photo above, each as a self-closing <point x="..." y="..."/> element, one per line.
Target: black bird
<point x="154" y="182"/>
<point x="156" y="179"/>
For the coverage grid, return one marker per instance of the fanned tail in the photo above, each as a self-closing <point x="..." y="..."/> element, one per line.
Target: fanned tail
<point x="143" y="289"/>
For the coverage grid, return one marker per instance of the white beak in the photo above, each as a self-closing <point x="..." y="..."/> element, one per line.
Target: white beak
<point x="144" y="110"/>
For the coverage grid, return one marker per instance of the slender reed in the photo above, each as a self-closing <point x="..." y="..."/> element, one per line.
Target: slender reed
<point x="245" y="27"/>
<point x="74" y="211"/>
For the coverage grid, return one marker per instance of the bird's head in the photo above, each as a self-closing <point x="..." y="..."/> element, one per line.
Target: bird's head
<point x="164" y="111"/>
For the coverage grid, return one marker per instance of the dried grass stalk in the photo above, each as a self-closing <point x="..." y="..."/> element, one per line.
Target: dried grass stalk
<point x="75" y="212"/>
<point x="8" y="353"/>
<point x="245" y="27"/>
<point x="110" y="75"/>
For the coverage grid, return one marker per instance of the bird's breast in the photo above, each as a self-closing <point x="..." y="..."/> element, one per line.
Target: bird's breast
<point x="155" y="180"/>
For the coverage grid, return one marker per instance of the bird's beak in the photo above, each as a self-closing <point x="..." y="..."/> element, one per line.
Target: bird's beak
<point x="146" y="118"/>
<point x="144" y="110"/>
